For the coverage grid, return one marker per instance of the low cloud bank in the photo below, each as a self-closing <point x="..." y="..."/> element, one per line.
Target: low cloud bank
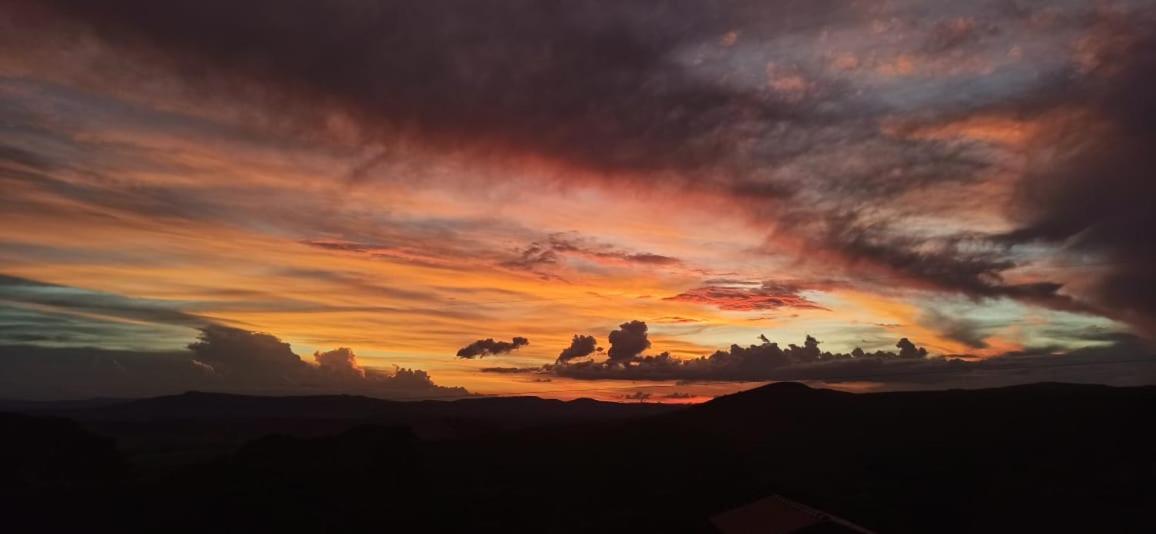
<point x="1121" y="360"/>
<point x="221" y="359"/>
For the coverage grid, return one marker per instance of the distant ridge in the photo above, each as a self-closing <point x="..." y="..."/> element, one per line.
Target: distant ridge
<point x="208" y="405"/>
<point x="1043" y="457"/>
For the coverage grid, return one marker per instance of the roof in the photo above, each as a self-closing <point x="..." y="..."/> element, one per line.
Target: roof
<point x="779" y="515"/>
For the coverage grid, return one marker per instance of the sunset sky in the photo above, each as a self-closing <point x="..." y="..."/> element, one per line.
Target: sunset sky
<point x="405" y="178"/>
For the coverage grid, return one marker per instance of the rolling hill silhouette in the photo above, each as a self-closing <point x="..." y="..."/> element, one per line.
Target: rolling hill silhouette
<point x="1055" y="457"/>
<point x="515" y="410"/>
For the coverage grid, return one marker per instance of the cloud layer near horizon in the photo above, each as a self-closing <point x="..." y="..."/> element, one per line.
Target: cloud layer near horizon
<point x="1118" y="360"/>
<point x="222" y="359"/>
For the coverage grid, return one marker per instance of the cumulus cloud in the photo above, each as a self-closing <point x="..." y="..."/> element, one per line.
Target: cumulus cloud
<point x="488" y="347"/>
<point x="579" y="347"/>
<point x="221" y="359"/>
<point x="230" y="350"/>
<point x="755" y="362"/>
<point x="243" y="358"/>
<point x="1125" y="361"/>
<point x="404" y="379"/>
<point x="907" y="349"/>
<point x="340" y="360"/>
<point x="627" y="342"/>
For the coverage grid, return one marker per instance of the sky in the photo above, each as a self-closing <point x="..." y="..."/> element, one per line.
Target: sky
<point x="449" y="198"/>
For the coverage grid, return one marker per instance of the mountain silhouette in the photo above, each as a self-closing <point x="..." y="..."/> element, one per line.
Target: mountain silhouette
<point x="1042" y="457"/>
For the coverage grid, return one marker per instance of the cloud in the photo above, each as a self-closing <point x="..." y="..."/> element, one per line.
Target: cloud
<point x="1127" y="361"/>
<point x="1092" y="196"/>
<point x="572" y="244"/>
<point x="488" y="347"/>
<point x="769" y="296"/>
<point x="341" y="360"/>
<point x="259" y="359"/>
<point x="675" y="319"/>
<point x="907" y="349"/>
<point x="232" y="351"/>
<point x="627" y="342"/>
<point x="952" y="33"/>
<point x="579" y="347"/>
<point x="73" y="300"/>
<point x="417" y="382"/>
<point x="967" y="264"/>
<point x="222" y="359"/>
<point x="533" y="257"/>
<point x="765" y="361"/>
<point x="44" y="373"/>
<point x="557" y="247"/>
<point x="957" y="328"/>
<point x="511" y="370"/>
<point x="54" y="326"/>
<point x="596" y="86"/>
<point x="18" y="160"/>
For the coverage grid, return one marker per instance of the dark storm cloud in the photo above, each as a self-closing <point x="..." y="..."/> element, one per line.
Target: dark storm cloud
<point x="970" y="265"/>
<point x="586" y="82"/>
<point x="579" y="347"/>
<point x="627" y="342"/>
<point x="222" y="359"/>
<point x="1095" y="199"/>
<point x="605" y="85"/>
<point x="769" y="296"/>
<point x="488" y="347"/>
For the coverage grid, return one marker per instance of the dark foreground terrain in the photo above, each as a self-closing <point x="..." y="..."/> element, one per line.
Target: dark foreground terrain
<point x="1038" y="458"/>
